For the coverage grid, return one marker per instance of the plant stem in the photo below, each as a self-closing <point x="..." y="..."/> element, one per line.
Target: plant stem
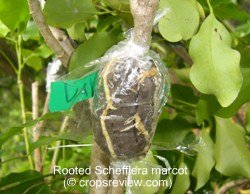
<point x="36" y="129"/>
<point x="21" y="96"/>
<point x="180" y="109"/>
<point x="210" y="7"/>
<point x="232" y="184"/>
<point x="143" y="12"/>
<point x="62" y="49"/>
<point x="185" y="103"/>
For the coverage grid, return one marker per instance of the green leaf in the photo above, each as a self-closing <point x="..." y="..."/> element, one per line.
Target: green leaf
<point x="32" y="60"/>
<point x="243" y="30"/>
<point x="31" y="32"/>
<point x="76" y="32"/>
<point x="182" y="20"/>
<point x="230" y="11"/>
<point x="95" y="47"/>
<point x="182" y="181"/>
<point x="52" y="116"/>
<point x="104" y="25"/>
<point x="170" y="133"/>
<point x="3" y="30"/>
<point x="13" y="12"/>
<point x="43" y="51"/>
<point x="148" y="163"/>
<point x="205" y="160"/>
<point x="123" y="10"/>
<point x="35" y="63"/>
<point x="232" y="155"/>
<point x="119" y="5"/>
<point x="45" y="140"/>
<point x="183" y="93"/>
<point x="243" y="97"/>
<point x="216" y="66"/>
<point x="25" y="182"/>
<point x="244" y="49"/>
<point x="65" y="13"/>
<point x="13" y="131"/>
<point x="208" y="105"/>
<point x="183" y="74"/>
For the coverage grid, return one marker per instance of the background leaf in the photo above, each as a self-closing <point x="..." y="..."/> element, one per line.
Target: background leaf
<point x="208" y="105"/>
<point x="76" y="32"/>
<point x="43" y="51"/>
<point x="67" y="12"/>
<point x="95" y="46"/>
<point x="170" y="133"/>
<point x="231" y="152"/>
<point x="25" y="182"/>
<point x="183" y="93"/>
<point x="205" y="159"/>
<point x="230" y="11"/>
<point x="182" y="182"/>
<point x="182" y="20"/>
<point x="123" y="10"/>
<point x="216" y="66"/>
<point x="120" y="5"/>
<point x="13" y="131"/>
<point x="3" y="29"/>
<point x="31" y="32"/>
<point x="45" y="140"/>
<point x="13" y="12"/>
<point x="32" y="60"/>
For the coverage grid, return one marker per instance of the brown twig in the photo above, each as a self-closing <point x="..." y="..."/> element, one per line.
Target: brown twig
<point x="234" y="183"/>
<point x="36" y="130"/>
<point x="61" y="46"/>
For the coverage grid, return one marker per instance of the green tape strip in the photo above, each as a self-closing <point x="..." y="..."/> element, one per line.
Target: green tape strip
<point x="64" y="94"/>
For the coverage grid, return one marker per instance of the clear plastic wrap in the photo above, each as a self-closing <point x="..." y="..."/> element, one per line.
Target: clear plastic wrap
<point x="131" y="88"/>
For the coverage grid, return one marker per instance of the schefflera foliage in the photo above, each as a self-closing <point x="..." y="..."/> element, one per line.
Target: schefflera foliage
<point x="216" y="68"/>
<point x="216" y="74"/>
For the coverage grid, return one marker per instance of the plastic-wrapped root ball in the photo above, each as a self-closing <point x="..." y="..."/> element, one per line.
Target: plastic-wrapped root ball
<point x="131" y="89"/>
